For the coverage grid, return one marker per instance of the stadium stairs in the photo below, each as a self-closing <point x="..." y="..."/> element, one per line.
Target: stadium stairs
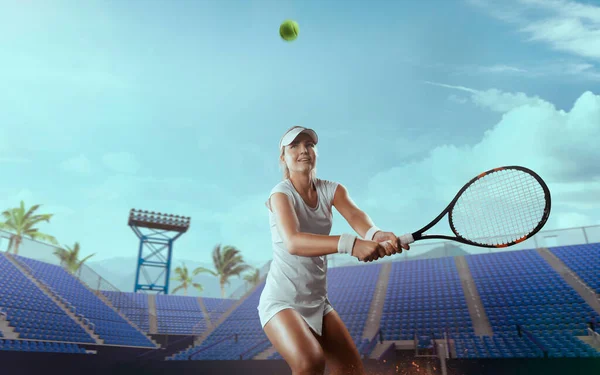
<point x="266" y="354"/>
<point x="204" y="311"/>
<point x="481" y="323"/>
<point x="109" y="326"/>
<point x="533" y="311"/>
<point x="6" y="330"/>
<point x="225" y="315"/>
<point x="106" y="301"/>
<point x="152" y="312"/>
<point x="215" y="324"/>
<point x="375" y="312"/>
<point x="62" y="303"/>
<point x="585" y="291"/>
<point x="376" y="308"/>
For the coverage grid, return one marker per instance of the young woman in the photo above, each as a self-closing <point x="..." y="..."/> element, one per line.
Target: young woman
<point x="294" y="310"/>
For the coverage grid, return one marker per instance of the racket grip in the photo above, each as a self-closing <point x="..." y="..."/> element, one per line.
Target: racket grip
<point x="406" y="239"/>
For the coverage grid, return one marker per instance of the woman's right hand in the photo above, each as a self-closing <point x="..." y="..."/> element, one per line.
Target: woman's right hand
<point x="368" y="251"/>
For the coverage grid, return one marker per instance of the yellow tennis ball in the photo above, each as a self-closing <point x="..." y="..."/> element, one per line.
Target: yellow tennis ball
<point x="289" y="30"/>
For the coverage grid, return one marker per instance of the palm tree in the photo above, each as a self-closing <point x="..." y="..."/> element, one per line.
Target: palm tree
<point x="183" y="276"/>
<point x="69" y="257"/>
<point x="253" y="278"/>
<point x="22" y="223"/>
<point x="228" y="263"/>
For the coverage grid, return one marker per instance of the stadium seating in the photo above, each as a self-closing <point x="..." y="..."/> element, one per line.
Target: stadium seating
<point x="179" y="315"/>
<point x="36" y="316"/>
<point x="222" y="344"/>
<point x="425" y="297"/>
<point x="584" y="260"/>
<point x="501" y="345"/>
<point x="521" y="288"/>
<point x="109" y="325"/>
<point x="40" y="346"/>
<point x="133" y="305"/>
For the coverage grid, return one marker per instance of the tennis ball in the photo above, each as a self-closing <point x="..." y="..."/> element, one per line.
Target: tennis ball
<point x="289" y="30"/>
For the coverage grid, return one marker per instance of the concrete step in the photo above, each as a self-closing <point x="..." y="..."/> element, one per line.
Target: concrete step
<point x="153" y="320"/>
<point x="481" y="323"/>
<point x="376" y="309"/>
<point x="590" y="341"/>
<point x="266" y="354"/>
<point x="107" y="302"/>
<point x="226" y="314"/>
<point x="584" y="290"/>
<point x="204" y="311"/>
<point x="8" y="331"/>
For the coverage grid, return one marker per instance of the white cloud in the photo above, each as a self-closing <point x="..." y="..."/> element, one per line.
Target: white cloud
<point x="571" y="68"/>
<point x="494" y="99"/>
<point x="121" y="162"/>
<point x="565" y="26"/>
<point x="457" y="99"/>
<point x="78" y="164"/>
<point x="531" y="132"/>
<point x="501" y="69"/>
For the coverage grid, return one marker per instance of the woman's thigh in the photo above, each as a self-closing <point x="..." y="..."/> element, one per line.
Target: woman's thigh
<point x="296" y="342"/>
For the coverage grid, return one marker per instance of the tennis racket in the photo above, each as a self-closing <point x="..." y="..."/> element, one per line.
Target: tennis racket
<point x="499" y="208"/>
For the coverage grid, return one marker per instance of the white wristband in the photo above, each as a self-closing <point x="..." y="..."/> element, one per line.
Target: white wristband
<point x="346" y="243"/>
<point x="371" y="232"/>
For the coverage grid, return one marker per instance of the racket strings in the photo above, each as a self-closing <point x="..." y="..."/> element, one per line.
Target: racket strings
<point x="499" y="208"/>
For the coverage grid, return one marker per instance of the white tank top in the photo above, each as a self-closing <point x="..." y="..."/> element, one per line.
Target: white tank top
<point x="299" y="280"/>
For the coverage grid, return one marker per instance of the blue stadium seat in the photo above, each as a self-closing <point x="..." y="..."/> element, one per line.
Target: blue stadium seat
<point x="107" y="323"/>
<point x="584" y="260"/>
<point x="521" y="288"/>
<point x="37" y="316"/>
<point x="425" y="297"/>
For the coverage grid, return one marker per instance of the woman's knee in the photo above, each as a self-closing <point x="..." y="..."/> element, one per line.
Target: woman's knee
<point x="308" y="360"/>
<point x="293" y="339"/>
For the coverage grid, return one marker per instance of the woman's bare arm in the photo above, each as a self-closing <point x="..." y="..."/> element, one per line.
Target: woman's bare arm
<point x="358" y="219"/>
<point x="296" y="242"/>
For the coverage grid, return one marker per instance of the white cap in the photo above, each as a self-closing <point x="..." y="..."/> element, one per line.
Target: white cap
<point x="293" y="132"/>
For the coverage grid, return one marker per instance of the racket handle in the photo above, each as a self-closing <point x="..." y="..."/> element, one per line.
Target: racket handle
<point x="406" y="239"/>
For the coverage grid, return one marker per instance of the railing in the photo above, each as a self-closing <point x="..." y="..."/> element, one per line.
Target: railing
<point x="447" y="343"/>
<point x="372" y="343"/>
<point x="3" y="314"/>
<point x="252" y="348"/>
<point x="235" y="336"/>
<point x="521" y="330"/>
<point x="387" y="352"/>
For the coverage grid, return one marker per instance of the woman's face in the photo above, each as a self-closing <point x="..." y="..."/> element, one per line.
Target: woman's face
<point x="300" y="155"/>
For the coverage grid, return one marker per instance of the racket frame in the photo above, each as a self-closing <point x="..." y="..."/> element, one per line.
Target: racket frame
<point x="419" y="235"/>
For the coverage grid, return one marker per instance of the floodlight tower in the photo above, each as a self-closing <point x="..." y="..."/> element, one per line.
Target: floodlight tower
<point x="165" y="229"/>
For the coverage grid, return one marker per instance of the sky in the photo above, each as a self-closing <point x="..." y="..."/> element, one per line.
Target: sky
<point x="178" y="107"/>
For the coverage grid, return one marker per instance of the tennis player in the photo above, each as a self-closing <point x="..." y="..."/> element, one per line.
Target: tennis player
<point x="294" y="310"/>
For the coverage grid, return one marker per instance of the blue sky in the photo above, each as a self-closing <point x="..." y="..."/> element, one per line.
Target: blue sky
<point x="177" y="106"/>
